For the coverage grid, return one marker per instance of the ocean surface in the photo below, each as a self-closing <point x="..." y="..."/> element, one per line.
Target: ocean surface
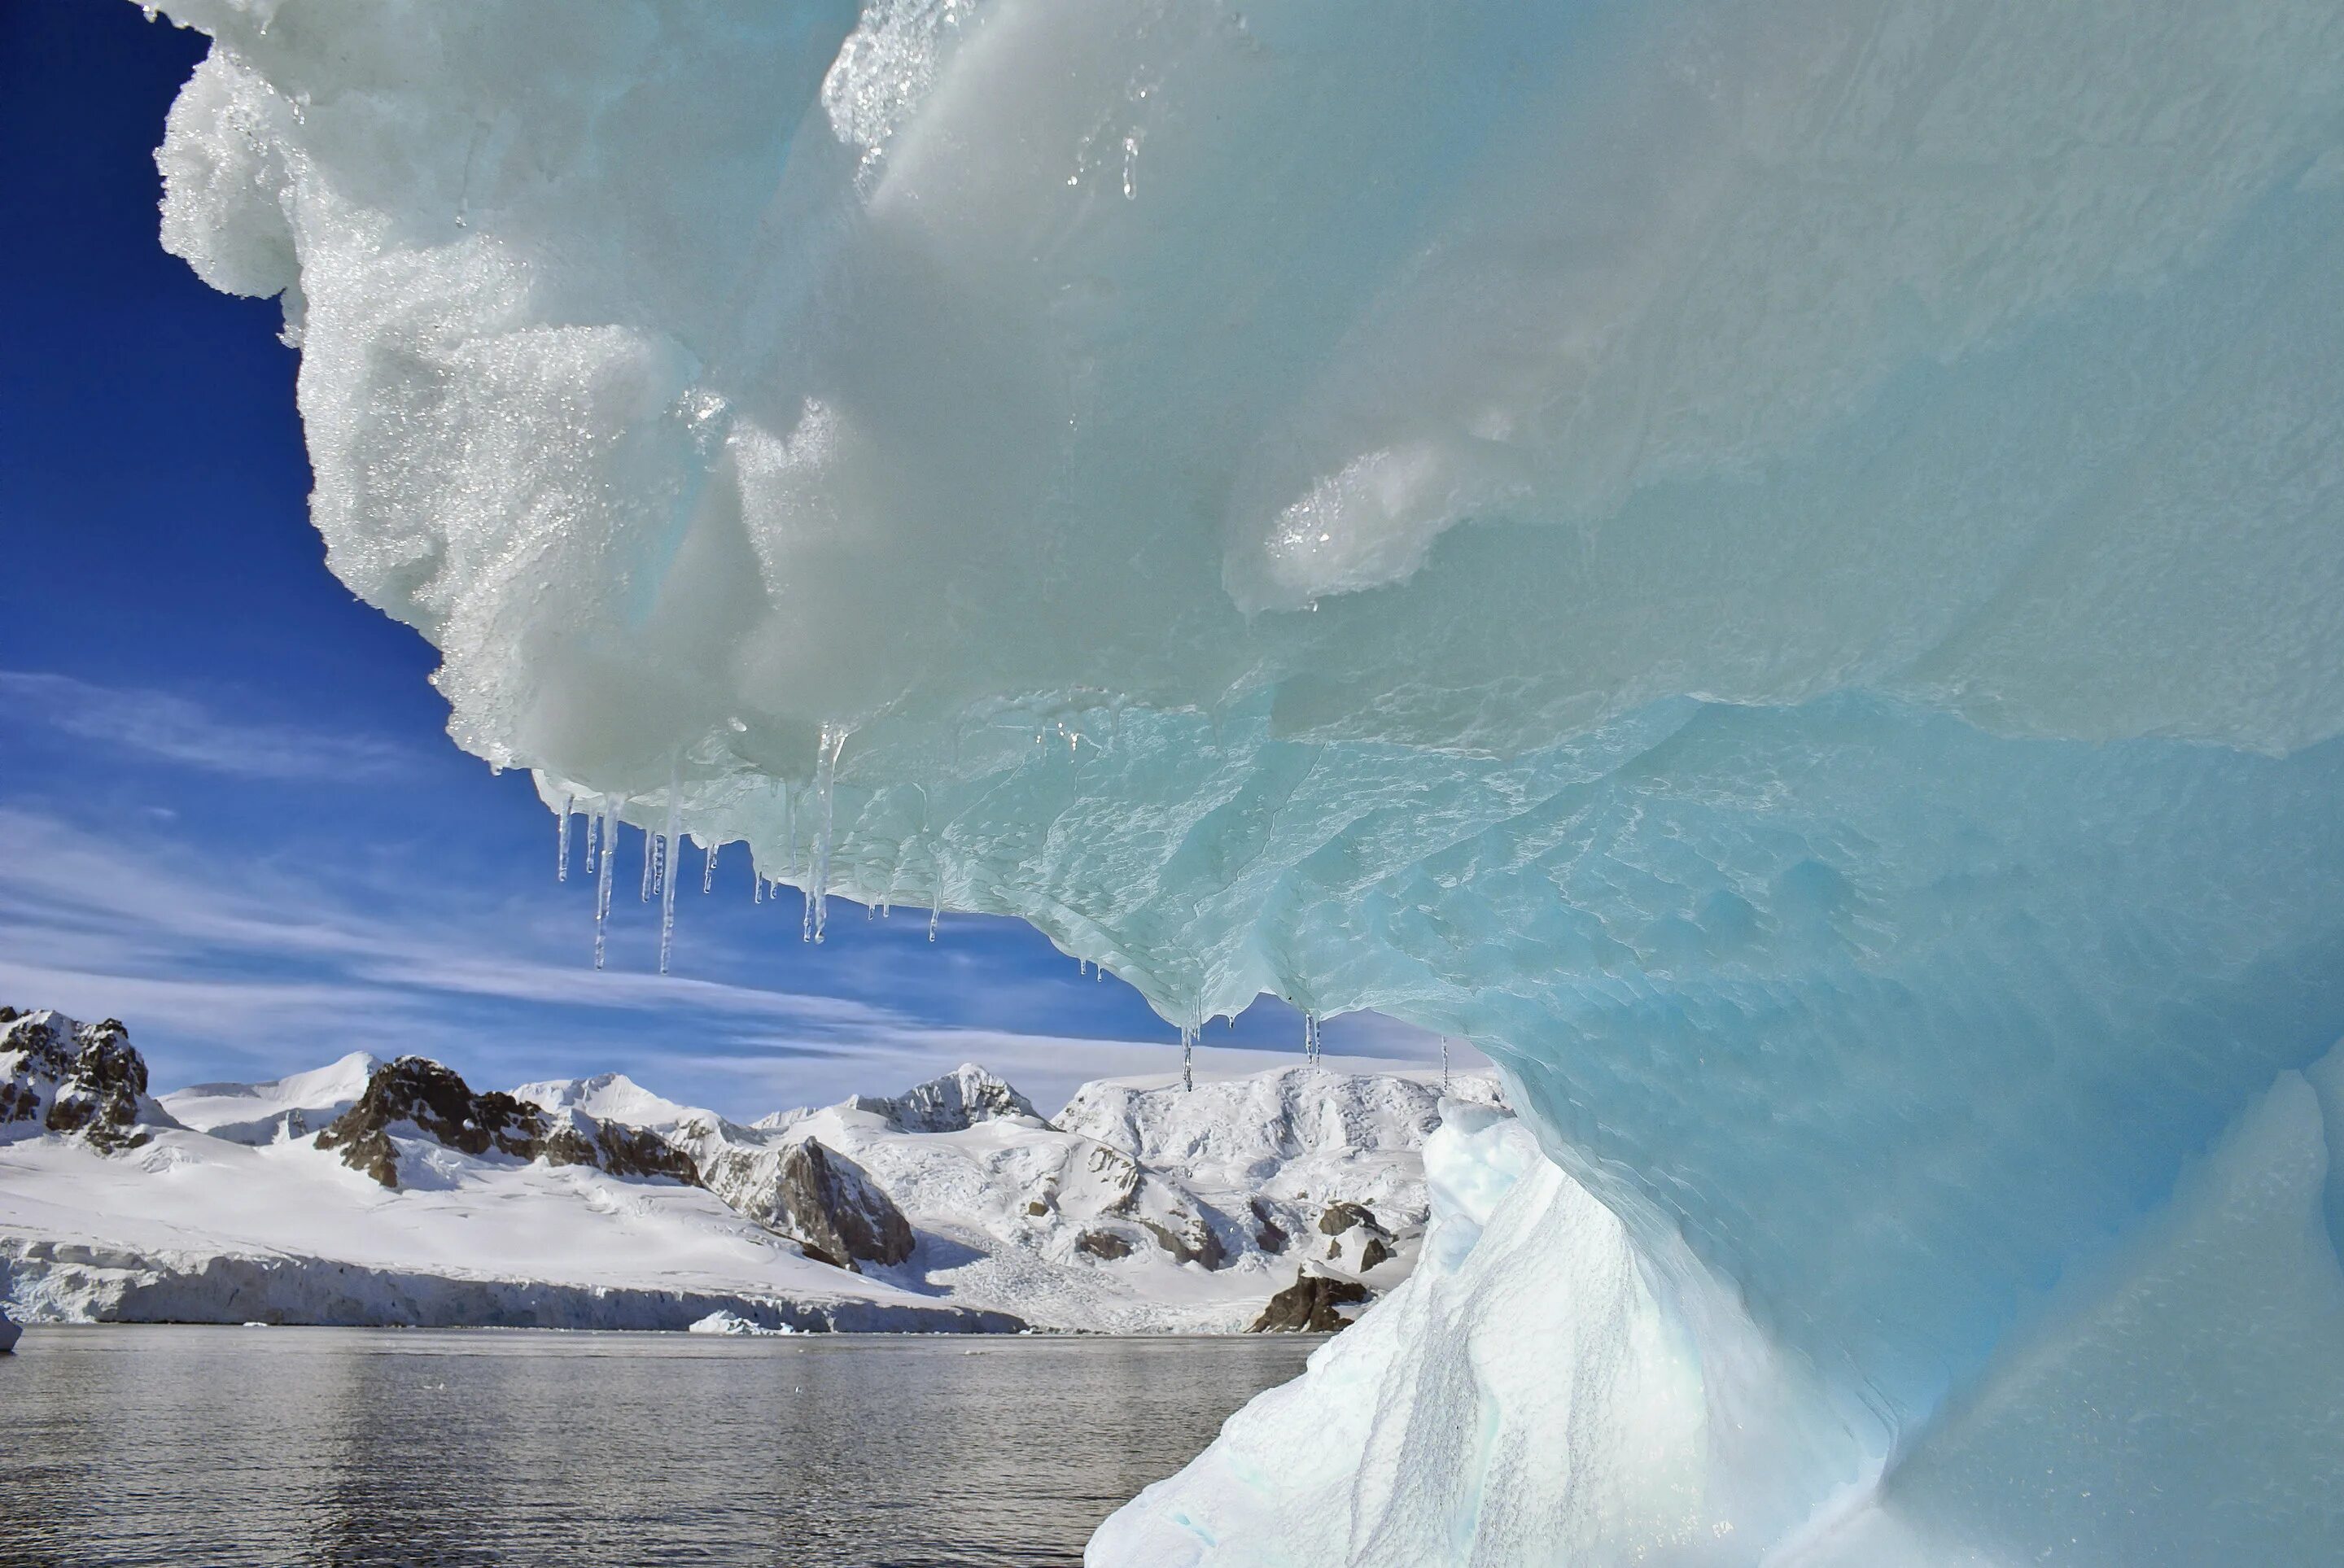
<point x="128" y="1444"/>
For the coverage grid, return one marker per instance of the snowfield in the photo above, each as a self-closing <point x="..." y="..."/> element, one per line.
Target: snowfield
<point x="1144" y="1207"/>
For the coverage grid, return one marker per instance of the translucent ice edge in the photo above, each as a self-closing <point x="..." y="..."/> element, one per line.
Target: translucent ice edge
<point x="1777" y="567"/>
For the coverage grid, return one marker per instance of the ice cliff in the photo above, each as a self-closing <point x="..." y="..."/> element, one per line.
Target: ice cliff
<point x="1778" y="567"/>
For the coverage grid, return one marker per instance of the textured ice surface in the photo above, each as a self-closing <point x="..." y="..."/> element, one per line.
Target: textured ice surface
<point x="1537" y="1392"/>
<point x="1778" y="567"/>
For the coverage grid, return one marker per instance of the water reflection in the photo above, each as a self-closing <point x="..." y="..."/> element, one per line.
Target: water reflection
<point x="335" y="1446"/>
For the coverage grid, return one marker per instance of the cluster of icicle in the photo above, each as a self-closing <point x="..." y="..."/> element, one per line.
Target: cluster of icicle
<point x="660" y="863"/>
<point x="661" y="851"/>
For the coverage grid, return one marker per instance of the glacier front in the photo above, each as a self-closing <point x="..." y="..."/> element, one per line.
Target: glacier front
<point x="1780" y="568"/>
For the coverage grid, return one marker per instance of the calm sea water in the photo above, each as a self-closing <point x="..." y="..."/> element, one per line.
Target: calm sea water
<point x="127" y="1445"/>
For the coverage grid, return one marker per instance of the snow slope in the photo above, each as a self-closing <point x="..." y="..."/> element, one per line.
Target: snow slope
<point x="289" y="1107"/>
<point x="194" y="1226"/>
<point x="1146" y="1209"/>
<point x="196" y="1229"/>
<point x="1142" y="1208"/>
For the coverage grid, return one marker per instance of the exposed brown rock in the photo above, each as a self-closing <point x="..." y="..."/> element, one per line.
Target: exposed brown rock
<point x="435" y="1101"/>
<point x="1193" y="1243"/>
<point x="69" y="1077"/>
<point x="1270" y="1236"/>
<point x="837" y="1212"/>
<point x="1309" y="1306"/>
<point x="1341" y="1220"/>
<point x="1103" y="1244"/>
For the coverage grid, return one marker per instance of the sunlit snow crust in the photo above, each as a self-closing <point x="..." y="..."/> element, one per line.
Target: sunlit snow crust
<point x="1778" y="567"/>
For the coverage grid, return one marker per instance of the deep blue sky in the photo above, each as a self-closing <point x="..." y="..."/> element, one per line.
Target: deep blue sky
<point x="229" y="814"/>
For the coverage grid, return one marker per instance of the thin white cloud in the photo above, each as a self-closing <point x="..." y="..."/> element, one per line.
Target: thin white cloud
<point x="259" y="963"/>
<point x="263" y="961"/>
<point x="65" y="892"/>
<point x="177" y="729"/>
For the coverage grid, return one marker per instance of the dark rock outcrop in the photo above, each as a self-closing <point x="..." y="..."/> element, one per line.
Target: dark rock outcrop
<point x="1357" y="1224"/>
<point x="1163" y="1210"/>
<point x="1309" y="1306"/>
<point x="76" y="1078"/>
<point x="416" y="1096"/>
<point x="1191" y="1238"/>
<point x="1270" y="1236"/>
<point x="9" y="1332"/>
<point x="1104" y="1245"/>
<point x="614" y="1147"/>
<point x="1376" y="1251"/>
<point x="833" y="1209"/>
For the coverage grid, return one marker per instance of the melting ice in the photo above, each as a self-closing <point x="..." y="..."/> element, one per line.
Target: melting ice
<point x="1777" y="567"/>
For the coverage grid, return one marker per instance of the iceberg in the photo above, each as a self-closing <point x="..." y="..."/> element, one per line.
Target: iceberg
<point x="1777" y="567"/>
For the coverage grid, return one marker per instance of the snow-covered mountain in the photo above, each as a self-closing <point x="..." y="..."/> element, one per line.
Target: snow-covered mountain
<point x="391" y="1191"/>
<point x="1141" y="1208"/>
<point x="291" y="1107"/>
<point x="128" y="1215"/>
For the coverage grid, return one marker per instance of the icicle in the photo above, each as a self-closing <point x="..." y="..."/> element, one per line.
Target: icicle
<point x="829" y="746"/>
<point x="1444" y="1065"/>
<point x="651" y="858"/>
<point x="561" y="844"/>
<point x="932" y="922"/>
<point x="708" y="868"/>
<point x="789" y="828"/>
<point x="667" y="880"/>
<point x="593" y="838"/>
<point x="1188" y="1059"/>
<point x="756" y="890"/>
<point x="603" y="881"/>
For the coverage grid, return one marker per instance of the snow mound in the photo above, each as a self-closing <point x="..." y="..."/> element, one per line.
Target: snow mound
<point x="291" y="1107"/>
<point x="1776" y="566"/>
<point x="607" y="1097"/>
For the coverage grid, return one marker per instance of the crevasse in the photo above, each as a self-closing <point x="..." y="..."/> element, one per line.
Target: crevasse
<point x="1779" y="567"/>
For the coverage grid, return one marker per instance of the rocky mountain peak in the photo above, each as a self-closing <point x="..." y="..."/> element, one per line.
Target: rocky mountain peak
<point x="954" y="1102"/>
<point x="59" y="1075"/>
<point x="416" y="1096"/>
<point x="966" y="1095"/>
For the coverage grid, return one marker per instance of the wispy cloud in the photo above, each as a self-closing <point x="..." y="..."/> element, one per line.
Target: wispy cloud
<point x="228" y="966"/>
<point x="242" y="950"/>
<point x="178" y="730"/>
<point x="269" y="970"/>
